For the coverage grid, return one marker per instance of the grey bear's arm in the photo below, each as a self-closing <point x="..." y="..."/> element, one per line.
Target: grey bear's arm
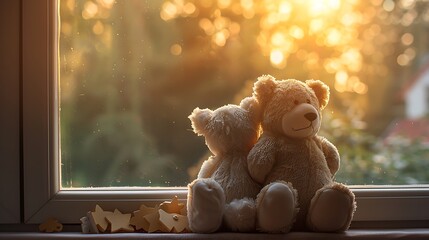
<point x="261" y="158"/>
<point x="331" y="154"/>
<point x="209" y="167"/>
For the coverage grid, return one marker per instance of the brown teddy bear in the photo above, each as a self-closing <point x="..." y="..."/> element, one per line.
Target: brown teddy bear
<point x="224" y="193"/>
<point x="295" y="165"/>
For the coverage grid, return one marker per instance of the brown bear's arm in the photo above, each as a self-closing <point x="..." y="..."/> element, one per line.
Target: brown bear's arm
<point x="331" y="154"/>
<point x="209" y="167"/>
<point x="261" y="158"/>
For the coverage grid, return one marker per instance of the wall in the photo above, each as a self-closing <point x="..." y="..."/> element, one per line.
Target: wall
<point x="416" y="99"/>
<point x="9" y="111"/>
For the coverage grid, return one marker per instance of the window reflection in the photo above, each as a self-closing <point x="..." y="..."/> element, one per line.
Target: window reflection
<point x="132" y="71"/>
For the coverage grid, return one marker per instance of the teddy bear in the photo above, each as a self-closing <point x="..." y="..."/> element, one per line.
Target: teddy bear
<point x="294" y="164"/>
<point x="223" y="195"/>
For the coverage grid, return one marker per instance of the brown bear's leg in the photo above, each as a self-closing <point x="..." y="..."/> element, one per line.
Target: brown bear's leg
<point x="331" y="209"/>
<point x="276" y="207"/>
<point x="206" y="203"/>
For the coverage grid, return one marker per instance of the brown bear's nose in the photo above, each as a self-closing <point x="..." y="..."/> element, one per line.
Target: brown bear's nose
<point x="310" y="116"/>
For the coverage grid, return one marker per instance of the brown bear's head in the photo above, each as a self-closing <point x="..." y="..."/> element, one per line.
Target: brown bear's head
<point x="228" y="128"/>
<point x="291" y="107"/>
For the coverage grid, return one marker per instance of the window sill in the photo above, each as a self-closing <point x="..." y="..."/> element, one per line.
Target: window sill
<point x="418" y="233"/>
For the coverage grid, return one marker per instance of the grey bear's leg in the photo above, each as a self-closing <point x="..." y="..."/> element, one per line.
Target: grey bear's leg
<point x="206" y="203"/>
<point x="331" y="209"/>
<point x="276" y="207"/>
<point x="240" y="215"/>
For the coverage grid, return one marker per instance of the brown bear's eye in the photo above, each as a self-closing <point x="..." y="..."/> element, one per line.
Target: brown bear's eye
<point x="308" y="100"/>
<point x="296" y="102"/>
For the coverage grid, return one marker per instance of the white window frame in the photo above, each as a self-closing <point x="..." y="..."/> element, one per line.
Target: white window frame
<point x="42" y="195"/>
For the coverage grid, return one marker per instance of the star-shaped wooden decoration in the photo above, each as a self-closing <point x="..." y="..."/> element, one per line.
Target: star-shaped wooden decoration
<point x="51" y="225"/>
<point x="138" y="220"/>
<point x="154" y="223"/>
<point x="172" y="206"/>
<point x="98" y="218"/>
<point x="119" y="222"/>
<point x="173" y="222"/>
<point x="184" y="212"/>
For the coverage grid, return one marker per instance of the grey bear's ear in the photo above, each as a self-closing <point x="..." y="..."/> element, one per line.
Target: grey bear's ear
<point x="263" y="89"/>
<point x="252" y="105"/>
<point x="321" y="90"/>
<point x="199" y="119"/>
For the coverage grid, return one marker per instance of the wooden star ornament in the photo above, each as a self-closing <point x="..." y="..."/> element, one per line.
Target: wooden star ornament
<point x="119" y="222"/>
<point x="172" y="206"/>
<point x="154" y="223"/>
<point x="138" y="220"/>
<point x="173" y="222"/>
<point x="51" y="225"/>
<point x="98" y="219"/>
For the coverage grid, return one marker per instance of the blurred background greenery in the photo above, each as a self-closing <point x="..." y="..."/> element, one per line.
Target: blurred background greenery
<point x="132" y="71"/>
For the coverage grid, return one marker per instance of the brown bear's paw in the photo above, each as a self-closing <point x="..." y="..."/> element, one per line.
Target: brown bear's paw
<point x="276" y="207"/>
<point x="331" y="209"/>
<point x="206" y="203"/>
<point x="240" y="215"/>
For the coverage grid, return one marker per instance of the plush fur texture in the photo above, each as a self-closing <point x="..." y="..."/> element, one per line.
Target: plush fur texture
<point x="240" y="215"/>
<point x="230" y="132"/>
<point x="290" y="150"/>
<point x="206" y="203"/>
<point x="277" y="206"/>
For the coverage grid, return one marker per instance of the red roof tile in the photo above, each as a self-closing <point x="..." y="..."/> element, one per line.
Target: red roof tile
<point x="417" y="129"/>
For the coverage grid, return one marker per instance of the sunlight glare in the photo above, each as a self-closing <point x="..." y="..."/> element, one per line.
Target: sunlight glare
<point x="189" y="8"/>
<point x="332" y="65"/>
<point x="70" y="4"/>
<point x="403" y="60"/>
<point x="320" y="7"/>
<point x="353" y="59"/>
<point x="106" y="3"/>
<point x="296" y="32"/>
<point x="316" y="25"/>
<point x="220" y="38"/>
<point x="278" y="39"/>
<point x="333" y="37"/>
<point x="66" y="28"/>
<point x="277" y="59"/>
<point x="207" y="26"/>
<point x="329" y="23"/>
<point x="90" y="10"/>
<point x="388" y="5"/>
<point x="169" y="11"/>
<point x="176" y="49"/>
<point x="410" y="52"/>
<point x="247" y="4"/>
<point x="223" y="3"/>
<point x="341" y="77"/>
<point x="407" y="39"/>
<point x="285" y="8"/>
<point x="360" y="87"/>
<point x="98" y="28"/>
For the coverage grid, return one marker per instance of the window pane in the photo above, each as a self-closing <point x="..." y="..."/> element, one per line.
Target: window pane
<point x="132" y="71"/>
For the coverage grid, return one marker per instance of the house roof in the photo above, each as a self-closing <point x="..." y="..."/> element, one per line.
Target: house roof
<point x="412" y="129"/>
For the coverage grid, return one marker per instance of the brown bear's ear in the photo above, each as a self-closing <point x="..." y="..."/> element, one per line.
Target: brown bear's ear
<point x="251" y="105"/>
<point x="264" y="88"/>
<point x="199" y="119"/>
<point x="321" y="90"/>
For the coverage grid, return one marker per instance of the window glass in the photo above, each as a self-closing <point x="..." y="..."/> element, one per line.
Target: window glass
<point x="132" y="71"/>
